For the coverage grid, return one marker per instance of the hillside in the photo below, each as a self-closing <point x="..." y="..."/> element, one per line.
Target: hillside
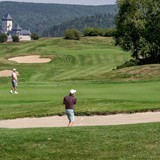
<point x="89" y="66"/>
<point x="90" y="56"/>
<point x="95" y="21"/>
<point x="40" y="16"/>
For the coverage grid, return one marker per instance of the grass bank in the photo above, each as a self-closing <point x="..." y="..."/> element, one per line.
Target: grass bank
<point x="131" y="142"/>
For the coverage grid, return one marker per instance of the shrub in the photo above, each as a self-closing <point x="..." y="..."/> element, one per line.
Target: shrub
<point x="72" y="34"/>
<point x="15" y="38"/>
<point x="3" y="38"/>
<point x="35" y="36"/>
<point x="91" y="32"/>
<point x="132" y="62"/>
<point x="109" y="32"/>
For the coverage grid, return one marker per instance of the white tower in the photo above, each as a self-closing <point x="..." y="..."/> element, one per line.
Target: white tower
<point x="7" y="23"/>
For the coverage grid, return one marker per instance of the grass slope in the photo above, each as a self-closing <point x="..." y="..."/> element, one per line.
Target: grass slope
<point x="86" y="65"/>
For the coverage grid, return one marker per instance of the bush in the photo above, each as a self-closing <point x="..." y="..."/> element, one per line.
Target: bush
<point x="109" y="32"/>
<point x="35" y="36"/>
<point x="130" y="63"/>
<point x="15" y="38"/>
<point x="72" y="34"/>
<point x="3" y="38"/>
<point x="91" y="32"/>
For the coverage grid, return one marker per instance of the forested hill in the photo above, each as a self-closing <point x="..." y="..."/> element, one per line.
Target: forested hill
<point x="39" y="16"/>
<point x="95" y="21"/>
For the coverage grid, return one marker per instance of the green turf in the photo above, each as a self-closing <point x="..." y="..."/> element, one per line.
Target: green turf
<point x="128" y="142"/>
<point x="87" y="65"/>
<point x="43" y="99"/>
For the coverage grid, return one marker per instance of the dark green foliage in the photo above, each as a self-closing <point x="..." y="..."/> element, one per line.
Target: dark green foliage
<point x="91" y="32"/>
<point x="72" y="34"/>
<point x="138" y="26"/>
<point x="3" y="38"/>
<point x="108" y="32"/>
<point x="15" y="38"/>
<point x="39" y="17"/>
<point x="35" y="36"/>
<point x="132" y="62"/>
<point x="95" y="21"/>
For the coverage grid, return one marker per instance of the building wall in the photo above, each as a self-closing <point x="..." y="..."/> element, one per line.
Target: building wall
<point x="7" y="26"/>
<point x="24" y="38"/>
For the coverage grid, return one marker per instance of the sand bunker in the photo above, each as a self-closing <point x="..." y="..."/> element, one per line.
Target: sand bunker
<point x="30" y="59"/>
<point x="24" y="59"/>
<point x="61" y="121"/>
<point x="6" y="73"/>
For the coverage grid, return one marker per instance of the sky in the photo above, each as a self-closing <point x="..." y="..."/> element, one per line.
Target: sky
<point x="82" y="2"/>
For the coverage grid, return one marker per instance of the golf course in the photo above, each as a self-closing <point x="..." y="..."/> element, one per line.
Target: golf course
<point x="88" y="65"/>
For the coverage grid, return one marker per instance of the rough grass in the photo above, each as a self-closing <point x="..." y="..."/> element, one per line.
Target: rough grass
<point x="131" y="142"/>
<point x="136" y="73"/>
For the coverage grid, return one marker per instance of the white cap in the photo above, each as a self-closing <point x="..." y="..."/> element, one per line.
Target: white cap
<point x="14" y="69"/>
<point x="72" y="91"/>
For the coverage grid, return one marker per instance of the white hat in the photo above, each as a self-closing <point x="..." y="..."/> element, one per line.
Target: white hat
<point x="14" y="69"/>
<point x="72" y="91"/>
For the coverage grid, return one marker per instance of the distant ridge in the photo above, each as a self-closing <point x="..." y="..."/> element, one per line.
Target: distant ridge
<point x="41" y="16"/>
<point x="94" y="21"/>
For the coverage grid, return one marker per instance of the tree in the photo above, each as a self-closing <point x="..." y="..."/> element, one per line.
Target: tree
<point x="137" y="28"/>
<point x="15" y="38"/>
<point x="73" y="34"/>
<point x="91" y="32"/>
<point x="109" y="32"/>
<point x="34" y="36"/>
<point x="3" y="38"/>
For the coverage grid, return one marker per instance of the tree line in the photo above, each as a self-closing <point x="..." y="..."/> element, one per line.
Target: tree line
<point x="39" y="17"/>
<point x="94" y="21"/>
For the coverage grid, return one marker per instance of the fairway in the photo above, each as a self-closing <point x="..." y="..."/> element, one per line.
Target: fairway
<point x="92" y="93"/>
<point x="87" y="65"/>
<point x="93" y="98"/>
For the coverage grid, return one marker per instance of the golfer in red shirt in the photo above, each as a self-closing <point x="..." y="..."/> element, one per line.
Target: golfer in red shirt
<point x="69" y="102"/>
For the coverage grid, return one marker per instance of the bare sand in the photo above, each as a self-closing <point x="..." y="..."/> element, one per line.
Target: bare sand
<point x="5" y="73"/>
<point x="24" y="59"/>
<point x="61" y="121"/>
<point x="30" y="59"/>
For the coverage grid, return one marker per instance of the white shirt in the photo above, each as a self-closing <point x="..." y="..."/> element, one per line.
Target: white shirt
<point x="14" y="76"/>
